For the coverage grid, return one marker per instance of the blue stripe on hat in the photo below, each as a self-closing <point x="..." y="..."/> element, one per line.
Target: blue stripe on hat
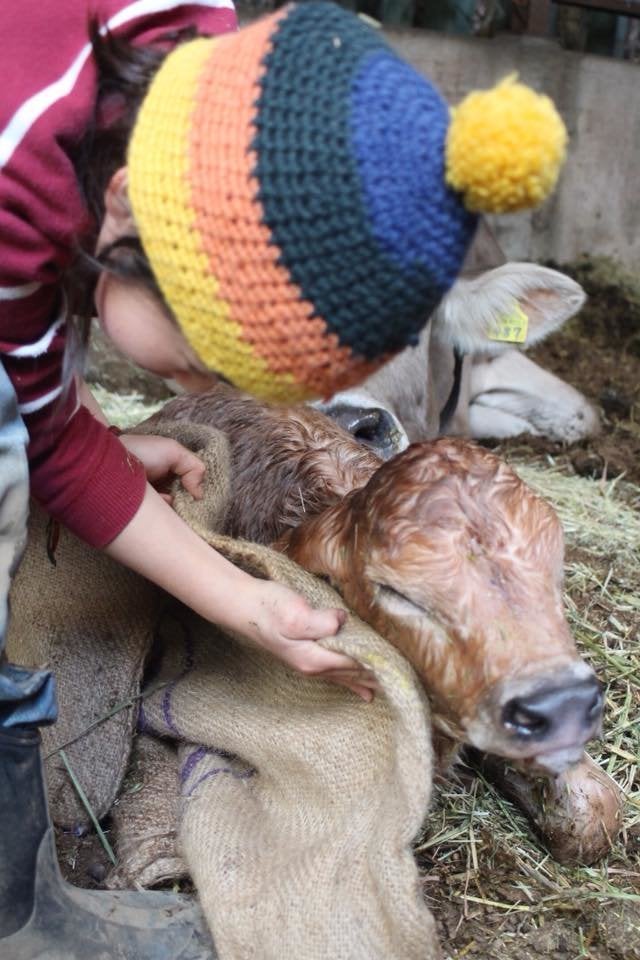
<point x="399" y="123"/>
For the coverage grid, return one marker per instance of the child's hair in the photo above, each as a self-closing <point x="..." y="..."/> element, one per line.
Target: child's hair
<point x="124" y="74"/>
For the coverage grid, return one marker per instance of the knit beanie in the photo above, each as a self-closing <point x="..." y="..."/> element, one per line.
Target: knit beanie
<point x="305" y="198"/>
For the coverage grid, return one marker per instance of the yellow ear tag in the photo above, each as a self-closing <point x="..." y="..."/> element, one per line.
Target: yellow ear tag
<point x="510" y="328"/>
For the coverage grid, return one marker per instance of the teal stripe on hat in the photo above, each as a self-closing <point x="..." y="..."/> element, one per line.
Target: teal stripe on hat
<point x="310" y="184"/>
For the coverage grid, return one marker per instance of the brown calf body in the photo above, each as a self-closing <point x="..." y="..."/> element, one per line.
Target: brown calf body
<point x="287" y="463"/>
<point x="442" y="549"/>
<point x="451" y="557"/>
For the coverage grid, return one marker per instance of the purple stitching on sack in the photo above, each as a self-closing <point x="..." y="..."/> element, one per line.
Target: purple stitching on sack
<point x="191" y="763"/>
<point x="245" y="775"/>
<point x="166" y="700"/>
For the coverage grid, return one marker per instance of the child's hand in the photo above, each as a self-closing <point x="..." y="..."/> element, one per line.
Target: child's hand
<point x="284" y="623"/>
<point x="163" y="459"/>
<point x="158" y="544"/>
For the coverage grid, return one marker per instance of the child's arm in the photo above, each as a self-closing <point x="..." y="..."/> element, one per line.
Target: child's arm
<point x="160" y="546"/>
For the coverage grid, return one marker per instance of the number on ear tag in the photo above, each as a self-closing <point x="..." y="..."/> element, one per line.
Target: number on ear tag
<point x="510" y="328"/>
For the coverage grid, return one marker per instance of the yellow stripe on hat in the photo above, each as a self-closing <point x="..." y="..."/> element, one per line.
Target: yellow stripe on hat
<point x="160" y="195"/>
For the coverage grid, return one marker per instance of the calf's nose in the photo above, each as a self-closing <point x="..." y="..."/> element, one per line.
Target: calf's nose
<point x="555" y="713"/>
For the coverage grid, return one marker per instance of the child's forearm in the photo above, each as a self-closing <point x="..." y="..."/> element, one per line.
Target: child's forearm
<point x="161" y="547"/>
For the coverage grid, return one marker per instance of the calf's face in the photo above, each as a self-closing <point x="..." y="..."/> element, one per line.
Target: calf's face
<point x="456" y="562"/>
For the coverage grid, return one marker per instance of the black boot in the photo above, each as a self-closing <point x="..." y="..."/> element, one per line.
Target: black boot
<point x="44" y="918"/>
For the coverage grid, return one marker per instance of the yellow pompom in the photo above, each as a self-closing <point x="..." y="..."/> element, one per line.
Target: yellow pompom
<point x="505" y="148"/>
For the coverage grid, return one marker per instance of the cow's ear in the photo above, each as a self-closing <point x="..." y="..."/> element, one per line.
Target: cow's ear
<point x="517" y="304"/>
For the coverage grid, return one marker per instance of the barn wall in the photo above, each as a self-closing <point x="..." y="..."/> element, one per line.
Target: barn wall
<point x="596" y="208"/>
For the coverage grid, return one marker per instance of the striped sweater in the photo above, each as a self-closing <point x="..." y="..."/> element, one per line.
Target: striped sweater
<point x="80" y="472"/>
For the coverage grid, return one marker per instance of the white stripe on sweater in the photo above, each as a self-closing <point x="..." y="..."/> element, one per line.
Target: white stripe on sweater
<point x="40" y="346"/>
<point x="41" y="402"/>
<point x="19" y="293"/>
<point x="33" y="108"/>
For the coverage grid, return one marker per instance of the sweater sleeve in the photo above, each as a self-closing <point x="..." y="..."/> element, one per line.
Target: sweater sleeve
<point x="89" y="482"/>
<point x="80" y="472"/>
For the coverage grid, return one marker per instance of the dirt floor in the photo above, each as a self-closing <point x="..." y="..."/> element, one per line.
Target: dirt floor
<point x="495" y="891"/>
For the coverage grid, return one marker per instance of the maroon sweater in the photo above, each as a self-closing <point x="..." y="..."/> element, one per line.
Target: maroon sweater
<point x="80" y="472"/>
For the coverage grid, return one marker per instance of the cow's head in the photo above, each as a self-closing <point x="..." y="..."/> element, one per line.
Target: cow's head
<point x="453" y="559"/>
<point x="514" y="305"/>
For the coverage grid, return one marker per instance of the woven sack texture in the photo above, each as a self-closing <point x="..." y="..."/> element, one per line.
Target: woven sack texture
<point x="145" y="818"/>
<point x="298" y="803"/>
<point x="91" y="622"/>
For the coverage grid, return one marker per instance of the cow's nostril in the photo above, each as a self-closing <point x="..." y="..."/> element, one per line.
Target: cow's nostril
<point x="523" y="720"/>
<point x="372" y="426"/>
<point x="368" y="426"/>
<point x="555" y="711"/>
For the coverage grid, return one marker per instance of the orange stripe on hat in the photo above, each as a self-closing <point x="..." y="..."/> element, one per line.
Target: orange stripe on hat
<point x="261" y="297"/>
<point x="160" y="193"/>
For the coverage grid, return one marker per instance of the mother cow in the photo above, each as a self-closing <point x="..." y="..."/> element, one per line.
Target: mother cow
<point x="466" y="377"/>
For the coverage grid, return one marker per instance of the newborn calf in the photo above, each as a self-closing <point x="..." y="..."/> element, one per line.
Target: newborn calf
<point x="443" y="550"/>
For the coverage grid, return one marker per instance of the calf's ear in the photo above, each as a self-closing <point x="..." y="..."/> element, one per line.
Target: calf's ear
<point x="321" y="545"/>
<point x="517" y="304"/>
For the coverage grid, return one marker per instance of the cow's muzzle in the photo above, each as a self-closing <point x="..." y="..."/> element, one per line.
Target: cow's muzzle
<point x="370" y="423"/>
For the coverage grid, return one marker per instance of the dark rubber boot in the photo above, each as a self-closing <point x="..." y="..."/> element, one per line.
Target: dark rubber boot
<point x="44" y="918"/>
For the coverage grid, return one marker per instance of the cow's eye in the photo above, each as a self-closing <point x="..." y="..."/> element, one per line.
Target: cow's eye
<point x="397" y="602"/>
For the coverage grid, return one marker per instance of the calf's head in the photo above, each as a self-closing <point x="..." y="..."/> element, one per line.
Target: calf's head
<point x="452" y="558"/>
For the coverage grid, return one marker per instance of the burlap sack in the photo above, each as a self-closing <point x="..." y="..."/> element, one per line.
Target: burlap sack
<point x="301" y="848"/>
<point x="92" y="622"/>
<point x="145" y="818"/>
<point x="298" y="802"/>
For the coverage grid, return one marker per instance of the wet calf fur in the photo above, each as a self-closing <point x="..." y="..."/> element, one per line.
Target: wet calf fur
<point x="287" y="463"/>
<point x="454" y="560"/>
<point x="443" y="550"/>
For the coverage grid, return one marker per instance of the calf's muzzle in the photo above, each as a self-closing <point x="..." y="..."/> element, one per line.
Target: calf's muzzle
<point x="543" y="721"/>
<point x="555" y="712"/>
